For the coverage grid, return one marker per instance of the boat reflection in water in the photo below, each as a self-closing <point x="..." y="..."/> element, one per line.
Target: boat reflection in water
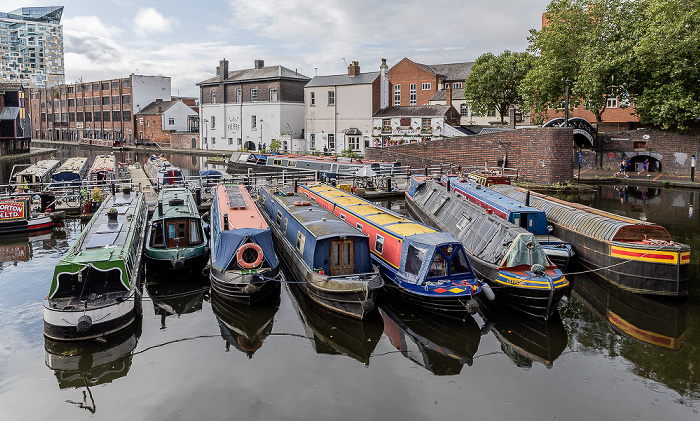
<point x="20" y="247"/>
<point x="655" y="321"/>
<point x="333" y="333"/>
<point x="86" y="364"/>
<point x="527" y="340"/>
<point x="244" y="326"/>
<point x="175" y="297"/>
<point x="441" y="344"/>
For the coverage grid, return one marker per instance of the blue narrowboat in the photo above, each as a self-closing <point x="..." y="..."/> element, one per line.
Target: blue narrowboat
<point x="331" y="259"/>
<point x="518" y="213"/>
<point x="427" y="268"/>
<point x="505" y="256"/>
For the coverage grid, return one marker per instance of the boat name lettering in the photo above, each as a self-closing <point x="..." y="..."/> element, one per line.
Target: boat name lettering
<point x="12" y="210"/>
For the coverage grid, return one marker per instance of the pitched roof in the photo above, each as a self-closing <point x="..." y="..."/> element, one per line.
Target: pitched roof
<point x="152" y="108"/>
<point x="341" y="80"/>
<point x="268" y="72"/>
<point x="454" y="71"/>
<point x="414" y="111"/>
<point x="441" y="95"/>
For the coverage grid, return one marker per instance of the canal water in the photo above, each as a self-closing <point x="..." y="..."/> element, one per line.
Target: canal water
<point x="608" y="356"/>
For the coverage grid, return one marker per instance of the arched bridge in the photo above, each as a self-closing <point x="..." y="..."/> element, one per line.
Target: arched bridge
<point x="585" y="135"/>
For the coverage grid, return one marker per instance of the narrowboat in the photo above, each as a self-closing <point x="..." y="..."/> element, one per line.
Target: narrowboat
<point x="505" y="256"/>
<point x="96" y="287"/>
<point x="16" y="217"/>
<point x="637" y="256"/>
<point x="70" y="173"/>
<point x="242" y="326"/>
<point x="516" y="212"/>
<point x="487" y="178"/>
<point x="332" y="333"/>
<point x="104" y="170"/>
<point x="426" y="267"/>
<point x="34" y="176"/>
<point x="661" y="323"/>
<point x="324" y="164"/>
<point x="175" y="238"/>
<point x="243" y="266"/>
<point x="161" y="172"/>
<point x="330" y="260"/>
<point x="442" y="345"/>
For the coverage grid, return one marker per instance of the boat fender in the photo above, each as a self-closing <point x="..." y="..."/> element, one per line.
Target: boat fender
<point x="488" y="292"/>
<point x="302" y="203"/>
<point x="472" y="306"/>
<point x="251" y="289"/>
<point x="249" y="265"/>
<point x="538" y="269"/>
<point x="205" y="271"/>
<point x="178" y="263"/>
<point x="84" y="324"/>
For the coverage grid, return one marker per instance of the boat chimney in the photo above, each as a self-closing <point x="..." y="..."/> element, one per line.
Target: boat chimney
<point x="527" y="198"/>
<point x="225" y="222"/>
<point x="160" y="207"/>
<point x="448" y="184"/>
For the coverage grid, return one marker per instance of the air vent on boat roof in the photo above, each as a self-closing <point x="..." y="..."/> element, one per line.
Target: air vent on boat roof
<point x="176" y="202"/>
<point x="235" y="197"/>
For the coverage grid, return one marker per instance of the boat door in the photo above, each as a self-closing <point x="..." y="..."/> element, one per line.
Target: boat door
<point x="176" y="234"/>
<point x="342" y="257"/>
<point x="519" y="220"/>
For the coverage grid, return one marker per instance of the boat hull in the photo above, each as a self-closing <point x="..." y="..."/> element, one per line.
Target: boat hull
<point x="246" y="288"/>
<point x="193" y="262"/>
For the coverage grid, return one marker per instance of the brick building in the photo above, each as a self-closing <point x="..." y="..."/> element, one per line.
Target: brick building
<point x="160" y="119"/>
<point x="95" y="110"/>
<point x="15" y="127"/>
<point x="418" y="123"/>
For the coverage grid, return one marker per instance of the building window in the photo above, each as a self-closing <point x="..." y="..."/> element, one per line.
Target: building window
<point x="126" y="84"/>
<point x="115" y="100"/>
<point x="115" y="84"/>
<point x="105" y="86"/>
<point x="331" y="141"/>
<point x="126" y="99"/>
<point x="457" y="85"/>
<point x="230" y="141"/>
<point x="464" y="110"/>
<point x="273" y="94"/>
<point x="386" y="125"/>
<point x="213" y="97"/>
<point x="253" y="95"/>
<point x="70" y="89"/>
<point x="140" y="121"/>
<point x="425" y="124"/>
<point x="253" y="122"/>
<point x="397" y="95"/>
<point x="312" y="98"/>
<point x="312" y="140"/>
<point x="98" y="116"/>
<point x="171" y="121"/>
<point x="64" y="117"/>
<point x="105" y="116"/>
<point x="71" y="117"/>
<point x="126" y="115"/>
<point x="95" y="86"/>
<point x="116" y="116"/>
<point x="79" y="102"/>
<point x="354" y="143"/>
<point x="213" y="122"/>
<point x="331" y="97"/>
<point x="239" y="96"/>
<point x="71" y="102"/>
<point x="412" y="94"/>
<point x="611" y="103"/>
<point x="425" y="86"/>
<point x="88" y="101"/>
<point x="105" y="100"/>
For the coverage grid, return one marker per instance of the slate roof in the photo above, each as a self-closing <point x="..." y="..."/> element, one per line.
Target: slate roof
<point x="268" y="72"/>
<point x="457" y="94"/>
<point x="152" y="108"/>
<point x="414" y="111"/>
<point x="454" y="71"/>
<point x="341" y="80"/>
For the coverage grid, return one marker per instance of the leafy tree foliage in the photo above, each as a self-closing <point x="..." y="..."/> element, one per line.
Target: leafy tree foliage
<point x="494" y="81"/>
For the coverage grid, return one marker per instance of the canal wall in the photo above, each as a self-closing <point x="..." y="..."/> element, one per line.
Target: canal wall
<point x="542" y="155"/>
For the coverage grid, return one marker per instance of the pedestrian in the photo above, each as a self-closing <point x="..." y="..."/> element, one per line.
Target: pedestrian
<point x="645" y="167"/>
<point x="628" y="165"/>
<point x="621" y="169"/>
<point x="325" y="150"/>
<point x="259" y="146"/>
<point x="264" y="147"/>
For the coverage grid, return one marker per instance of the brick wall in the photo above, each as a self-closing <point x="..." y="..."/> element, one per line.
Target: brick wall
<point x="183" y="140"/>
<point x="540" y="154"/>
<point x="406" y="72"/>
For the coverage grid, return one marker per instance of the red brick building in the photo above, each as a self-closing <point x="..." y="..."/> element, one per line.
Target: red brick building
<point x="413" y="83"/>
<point x="160" y="119"/>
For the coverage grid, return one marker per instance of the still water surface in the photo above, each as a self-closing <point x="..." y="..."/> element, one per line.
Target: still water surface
<point x="610" y="356"/>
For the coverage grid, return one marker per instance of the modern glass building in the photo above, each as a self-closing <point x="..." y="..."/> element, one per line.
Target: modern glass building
<point x="31" y="46"/>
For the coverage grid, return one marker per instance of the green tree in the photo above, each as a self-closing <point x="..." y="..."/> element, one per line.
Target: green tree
<point x="275" y="145"/>
<point x="494" y="82"/>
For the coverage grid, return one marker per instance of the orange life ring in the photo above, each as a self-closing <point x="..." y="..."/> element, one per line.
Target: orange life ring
<point x="302" y="203"/>
<point x="246" y="265"/>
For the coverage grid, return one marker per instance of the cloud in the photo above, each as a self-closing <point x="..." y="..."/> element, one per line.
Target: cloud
<point x="149" y="20"/>
<point x="90" y="26"/>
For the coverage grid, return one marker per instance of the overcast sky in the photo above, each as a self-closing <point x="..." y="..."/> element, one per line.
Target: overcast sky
<point x="186" y="39"/>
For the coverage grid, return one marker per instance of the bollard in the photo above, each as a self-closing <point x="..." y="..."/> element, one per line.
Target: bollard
<point x="388" y="184"/>
<point x="448" y="185"/>
<point x="426" y="170"/>
<point x="114" y="189"/>
<point x="527" y="198"/>
<point x="198" y="196"/>
<point x="296" y="185"/>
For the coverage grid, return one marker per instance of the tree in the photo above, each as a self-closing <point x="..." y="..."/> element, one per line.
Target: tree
<point x="494" y="82"/>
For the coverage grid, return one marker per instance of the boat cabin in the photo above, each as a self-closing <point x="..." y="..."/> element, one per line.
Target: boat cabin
<point x="175" y="222"/>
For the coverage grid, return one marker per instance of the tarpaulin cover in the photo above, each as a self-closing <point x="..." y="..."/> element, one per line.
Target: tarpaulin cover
<point x="228" y="243"/>
<point x="65" y="176"/>
<point x="519" y="254"/>
<point x="425" y="245"/>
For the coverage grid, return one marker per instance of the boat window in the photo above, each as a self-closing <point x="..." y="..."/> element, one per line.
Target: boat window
<point x="157" y="235"/>
<point x="335" y="253"/>
<point x="277" y="162"/>
<point x="89" y="281"/>
<point x="379" y="244"/>
<point x="291" y="163"/>
<point x="194" y="232"/>
<point x="342" y="216"/>
<point x="438" y="267"/>
<point x="516" y="221"/>
<point x="286" y="221"/>
<point x="414" y="259"/>
<point x="279" y="218"/>
<point x="463" y="221"/>
<point x="301" y="239"/>
<point x="181" y="229"/>
<point x="359" y="226"/>
<point x="459" y="263"/>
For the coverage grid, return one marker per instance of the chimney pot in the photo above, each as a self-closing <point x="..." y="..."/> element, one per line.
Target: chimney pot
<point x="259" y="64"/>
<point x="354" y="68"/>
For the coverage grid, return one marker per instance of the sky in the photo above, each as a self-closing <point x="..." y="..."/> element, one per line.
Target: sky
<point x="185" y="40"/>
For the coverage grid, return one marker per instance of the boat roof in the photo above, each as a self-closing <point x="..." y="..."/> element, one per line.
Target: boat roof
<point x="104" y="163"/>
<point x="586" y="220"/>
<point x="235" y="201"/>
<point x="41" y="167"/>
<point x="492" y="197"/>
<point x="389" y="221"/>
<point x="73" y="164"/>
<point x="318" y="221"/>
<point x="161" y="162"/>
<point x="172" y="207"/>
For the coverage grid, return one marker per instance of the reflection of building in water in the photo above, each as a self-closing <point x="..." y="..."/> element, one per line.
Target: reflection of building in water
<point x="20" y="248"/>
<point x="440" y="344"/>
<point x="91" y="363"/>
<point x="243" y="326"/>
<point x="334" y="333"/>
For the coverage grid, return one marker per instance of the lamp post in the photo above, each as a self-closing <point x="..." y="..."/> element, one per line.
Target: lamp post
<point x="261" y="134"/>
<point x="566" y="103"/>
<point x="205" y="133"/>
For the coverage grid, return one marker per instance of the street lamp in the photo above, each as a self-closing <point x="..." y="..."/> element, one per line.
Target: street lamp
<point x="566" y="103"/>
<point x="205" y="133"/>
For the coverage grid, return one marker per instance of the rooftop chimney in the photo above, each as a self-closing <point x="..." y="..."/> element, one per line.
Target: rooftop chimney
<point x="354" y="69"/>
<point x="448" y="94"/>
<point x="259" y="64"/>
<point x="159" y="110"/>
<point x="222" y="70"/>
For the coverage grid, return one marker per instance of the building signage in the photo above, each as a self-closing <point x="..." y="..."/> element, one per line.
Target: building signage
<point x="13" y="210"/>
